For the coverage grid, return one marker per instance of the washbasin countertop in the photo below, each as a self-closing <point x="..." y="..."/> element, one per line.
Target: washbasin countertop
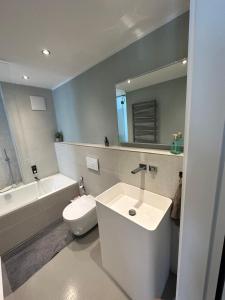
<point x="150" y="208"/>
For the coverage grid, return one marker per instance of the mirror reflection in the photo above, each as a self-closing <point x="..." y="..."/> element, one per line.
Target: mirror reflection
<point x="151" y="107"/>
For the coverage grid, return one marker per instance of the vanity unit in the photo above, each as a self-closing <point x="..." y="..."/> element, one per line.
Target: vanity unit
<point x="134" y="228"/>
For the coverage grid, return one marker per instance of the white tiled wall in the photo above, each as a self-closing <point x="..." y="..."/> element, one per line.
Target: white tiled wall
<point x="6" y="143"/>
<point x="32" y="131"/>
<point x="115" y="166"/>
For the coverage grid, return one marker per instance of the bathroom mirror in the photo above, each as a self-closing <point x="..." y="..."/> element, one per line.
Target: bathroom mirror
<point x="151" y="107"/>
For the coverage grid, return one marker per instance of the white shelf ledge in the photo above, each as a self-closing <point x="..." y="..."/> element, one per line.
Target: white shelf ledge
<point x="120" y="148"/>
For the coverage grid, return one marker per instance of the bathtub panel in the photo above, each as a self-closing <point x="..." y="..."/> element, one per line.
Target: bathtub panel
<point x="21" y="224"/>
<point x="54" y="211"/>
<point x="13" y="236"/>
<point x="68" y="193"/>
<point x="17" y="216"/>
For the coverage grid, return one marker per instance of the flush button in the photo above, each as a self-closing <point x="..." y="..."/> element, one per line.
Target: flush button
<point x="132" y="212"/>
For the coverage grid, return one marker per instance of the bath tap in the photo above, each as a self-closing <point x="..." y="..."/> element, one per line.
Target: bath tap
<point x="36" y="178"/>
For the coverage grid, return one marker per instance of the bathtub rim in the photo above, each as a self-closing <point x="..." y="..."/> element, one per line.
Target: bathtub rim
<point x="28" y="203"/>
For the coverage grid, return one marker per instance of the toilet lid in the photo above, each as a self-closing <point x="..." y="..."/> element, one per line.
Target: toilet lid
<point x="79" y="208"/>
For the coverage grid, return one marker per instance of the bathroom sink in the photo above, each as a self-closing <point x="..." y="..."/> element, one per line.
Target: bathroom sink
<point x="148" y="208"/>
<point x="135" y="228"/>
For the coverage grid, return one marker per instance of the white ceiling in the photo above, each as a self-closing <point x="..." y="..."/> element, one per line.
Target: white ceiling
<point x="80" y="33"/>
<point x="167" y="73"/>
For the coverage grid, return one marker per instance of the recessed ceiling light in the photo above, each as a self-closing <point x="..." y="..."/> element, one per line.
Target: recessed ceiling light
<point x="184" y="61"/>
<point x="46" y="52"/>
<point x="25" y="77"/>
<point x="128" y="81"/>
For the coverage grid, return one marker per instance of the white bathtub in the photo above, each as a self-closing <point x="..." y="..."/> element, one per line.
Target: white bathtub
<point x="26" y="194"/>
<point x="29" y="208"/>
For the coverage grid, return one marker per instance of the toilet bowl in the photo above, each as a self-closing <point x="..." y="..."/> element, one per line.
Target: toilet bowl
<point x="80" y="215"/>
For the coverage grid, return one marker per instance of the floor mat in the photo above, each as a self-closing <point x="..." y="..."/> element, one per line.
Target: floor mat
<point x="25" y="260"/>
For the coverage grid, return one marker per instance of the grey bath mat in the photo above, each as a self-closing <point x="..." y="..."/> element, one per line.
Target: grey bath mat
<point x="25" y="260"/>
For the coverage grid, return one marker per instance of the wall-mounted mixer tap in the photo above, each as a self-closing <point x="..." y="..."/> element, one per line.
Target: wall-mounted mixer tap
<point x="142" y="167"/>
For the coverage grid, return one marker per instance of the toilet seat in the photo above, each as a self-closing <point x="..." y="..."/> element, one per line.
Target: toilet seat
<point x="79" y="208"/>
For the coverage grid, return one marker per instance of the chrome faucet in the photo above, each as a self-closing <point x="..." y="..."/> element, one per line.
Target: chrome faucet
<point x="142" y="167"/>
<point x="36" y="178"/>
<point x="7" y="159"/>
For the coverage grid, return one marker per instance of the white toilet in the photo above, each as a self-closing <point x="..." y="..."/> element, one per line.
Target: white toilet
<point x="80" y="215"/>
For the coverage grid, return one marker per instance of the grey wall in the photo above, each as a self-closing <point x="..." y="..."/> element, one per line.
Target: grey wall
<point x="6" y="143"/>
<point x="171" y="100"/>
<point x="33" y="131"/>
<point x="86" y="105"/>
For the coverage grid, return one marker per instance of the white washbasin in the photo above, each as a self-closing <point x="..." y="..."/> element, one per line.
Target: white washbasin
<point x="135" y="249"/>
<point x="150" y="208"/>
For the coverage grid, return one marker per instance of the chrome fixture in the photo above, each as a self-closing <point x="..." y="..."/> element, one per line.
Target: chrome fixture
<point x="152" y="169"/>
<point x="35" y="172"/>
<point x="132" y="212"/>
<point x="7" y="159"/>
<point x="82" y="190"/>
<point x="34" y="169"/>
<point x="13" y="183"/>
<point x="46" y="52"/>
<point x="6" y="155"/>
<point x="25" y="77"/>
<point x="142" y="167"/>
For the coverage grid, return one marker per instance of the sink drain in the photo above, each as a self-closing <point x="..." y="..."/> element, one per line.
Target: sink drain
<point x="132" y="212"/>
